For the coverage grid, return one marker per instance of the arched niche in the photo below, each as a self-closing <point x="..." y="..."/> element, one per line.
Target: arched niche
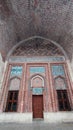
<point x="37" y="81"/>
<point x="60" y="83"/>
<point x="14" y="83"/>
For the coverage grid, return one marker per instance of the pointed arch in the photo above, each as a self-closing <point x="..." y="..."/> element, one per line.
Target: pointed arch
<point x="14" y="83"/>
<point x="60" y="83"/>
<point x="37" y="80"/>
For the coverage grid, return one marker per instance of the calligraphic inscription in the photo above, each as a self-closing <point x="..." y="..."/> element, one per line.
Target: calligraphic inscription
<point x="58" y="70"/>
<point x="37" y="69"/>
<point x="37" y="91"/>
<point x="35" y="59"/>
<point x="16" y="70"/>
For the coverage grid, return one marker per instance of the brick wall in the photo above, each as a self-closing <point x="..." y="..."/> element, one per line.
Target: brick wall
<point x="25" y="91"/>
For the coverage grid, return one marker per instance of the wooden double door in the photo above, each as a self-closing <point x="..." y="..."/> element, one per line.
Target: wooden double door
<point x="37" y="106"/>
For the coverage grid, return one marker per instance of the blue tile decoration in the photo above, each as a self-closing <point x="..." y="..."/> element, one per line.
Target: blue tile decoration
<point x="58" y="70"/>
<point x="37" y="69"/>
<point x="35" y="59"/>
<point x="16" y="70"/>
<point x="37" y="91"/>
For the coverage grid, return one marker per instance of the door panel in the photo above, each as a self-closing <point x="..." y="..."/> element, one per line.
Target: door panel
<point x="37" y="101"/>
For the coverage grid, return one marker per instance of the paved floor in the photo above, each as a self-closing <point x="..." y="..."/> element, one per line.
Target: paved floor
<point x="36" y="125"/>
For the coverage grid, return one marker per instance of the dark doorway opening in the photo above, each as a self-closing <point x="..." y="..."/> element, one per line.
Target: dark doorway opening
<point x="12" y="101"/>
<point x="63" y="101"/>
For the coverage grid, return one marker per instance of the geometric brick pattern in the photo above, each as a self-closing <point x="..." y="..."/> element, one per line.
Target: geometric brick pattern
<point x="37" y="47"/>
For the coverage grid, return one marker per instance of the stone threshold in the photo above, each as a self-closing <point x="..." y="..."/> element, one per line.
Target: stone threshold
<point x="49" y="117"/>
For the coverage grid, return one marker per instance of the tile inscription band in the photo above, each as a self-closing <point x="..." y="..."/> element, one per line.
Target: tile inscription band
<point x="36" y="59"/>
